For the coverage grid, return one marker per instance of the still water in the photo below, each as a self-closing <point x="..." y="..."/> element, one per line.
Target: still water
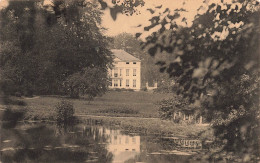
<point x="41" y="142"/>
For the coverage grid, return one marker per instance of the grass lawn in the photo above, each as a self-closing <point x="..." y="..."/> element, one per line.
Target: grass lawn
<point x="139" y="107"/>
<point x="113" y="103"/>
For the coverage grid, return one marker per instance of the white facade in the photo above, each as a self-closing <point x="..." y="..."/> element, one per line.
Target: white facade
<point x="123" y="147"/>
<point x="126" y="71"/>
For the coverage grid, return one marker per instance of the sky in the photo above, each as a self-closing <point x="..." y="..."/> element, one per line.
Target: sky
<point x="3" y="4"/>
<point x="129" y="24"/>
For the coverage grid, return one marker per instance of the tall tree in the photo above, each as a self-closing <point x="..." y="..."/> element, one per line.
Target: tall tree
<point x="215" y="60"/>
<point x="52" y="41"/>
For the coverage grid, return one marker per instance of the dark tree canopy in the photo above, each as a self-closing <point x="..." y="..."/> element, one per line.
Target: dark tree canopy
<point x="43" y="44"/>
<point x="218" y="56"/>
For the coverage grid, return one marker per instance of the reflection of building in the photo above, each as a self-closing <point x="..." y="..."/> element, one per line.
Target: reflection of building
<point x="126" y="72"/>
<point x="123" y="147"/>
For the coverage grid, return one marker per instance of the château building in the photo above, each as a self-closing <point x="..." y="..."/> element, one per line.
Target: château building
<point x="126" y="71"/>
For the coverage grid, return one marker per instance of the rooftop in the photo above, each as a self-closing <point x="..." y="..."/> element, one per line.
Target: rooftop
<point x="124" y="56"/>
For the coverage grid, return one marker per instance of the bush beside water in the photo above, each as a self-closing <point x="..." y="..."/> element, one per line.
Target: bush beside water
<point x="64" y="112"/>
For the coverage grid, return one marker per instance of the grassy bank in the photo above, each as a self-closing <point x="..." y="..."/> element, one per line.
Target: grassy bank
<point x="113" y="103"/>
<point x="153" y="126"/>
<point x="129" y="111"/>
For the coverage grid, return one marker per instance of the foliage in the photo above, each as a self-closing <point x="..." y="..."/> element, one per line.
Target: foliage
<point x="168" y="107"/>
<point x="10" y="117"/>
<point x="53" y="143"/>
<point x="154" y="126"/>
<point x="7" y="100"/>
<point x="64" y="112"/>
<point x="41" y="45"/>
<point x="144" y="89"/>
<point x="167" y="86"/>
<point x="41" y="108"/>
<point x="121" y="6"/>
<point x="91" y="81"/>
<point x="215" y="60"/>
<point x="212" y="58"/>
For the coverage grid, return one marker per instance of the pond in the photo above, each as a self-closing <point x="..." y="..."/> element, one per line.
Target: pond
<point x="47" y="142"/>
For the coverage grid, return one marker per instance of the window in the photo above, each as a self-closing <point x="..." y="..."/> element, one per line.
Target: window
<point x="120" y="84"/>
<point x="115" y="83"/>
<point x="126" y="141"/>
<point x="133" y="140"/>
<point x="116" y="72"/>
<point x="127" y="83"/>
<point x="127" y="63"/>
<point x="134" y="72"/>
<point x="134" y="83"/>
<point x="134" y="63"/>
<point x="127" y="72"/>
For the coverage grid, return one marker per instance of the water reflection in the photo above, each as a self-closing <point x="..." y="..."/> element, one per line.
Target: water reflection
<point x="41" y="142"/>
<point x="123" y="147"/>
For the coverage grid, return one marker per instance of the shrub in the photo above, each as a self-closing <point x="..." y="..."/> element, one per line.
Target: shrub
<point x="18" y="94"/>
<point x="167" y="107"/>
<point x="13" y="101"/>
<point x="7" y="86"/>
<point x="90" y="81"/>
<point x="144" y="89"/>
<point x="118" y="89"/>
<point x="11" y="117"/>
<point x="64" y="112"/>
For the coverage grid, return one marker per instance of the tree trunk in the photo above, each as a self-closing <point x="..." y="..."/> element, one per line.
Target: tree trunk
<point x="200" y="120"/>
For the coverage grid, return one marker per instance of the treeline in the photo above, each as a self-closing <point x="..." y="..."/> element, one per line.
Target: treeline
<point x="44" y="46"/>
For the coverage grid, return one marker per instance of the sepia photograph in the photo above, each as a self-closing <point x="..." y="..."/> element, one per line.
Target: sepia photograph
<point x="129" y="81"/>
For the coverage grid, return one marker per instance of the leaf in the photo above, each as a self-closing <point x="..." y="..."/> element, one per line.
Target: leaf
<point x="149" y="27"/>
<point x="181" y="9"/>
<point x="114" y="11"/>
<point x="162" y="69"/>
<point x="161" y="63"/>
<point x="152" y="51"/>
<point x="151" y="10"/>
<point x="159" y="6"/>
<point x="168" y="49"/>
<point x="103" y="4"/>
<point x="175" y="16"/>
<point x="137" y="35"/>
<point x="166" y="10"/>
